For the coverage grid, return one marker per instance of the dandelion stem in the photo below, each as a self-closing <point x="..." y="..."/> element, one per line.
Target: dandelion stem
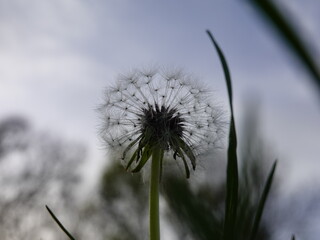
<point x="154" y="194"/>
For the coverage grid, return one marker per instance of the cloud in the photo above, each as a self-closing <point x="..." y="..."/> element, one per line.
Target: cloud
<point x="56" y="57"/>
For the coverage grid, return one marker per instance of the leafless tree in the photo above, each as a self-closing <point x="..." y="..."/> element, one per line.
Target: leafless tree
<point x="35" y="169"/>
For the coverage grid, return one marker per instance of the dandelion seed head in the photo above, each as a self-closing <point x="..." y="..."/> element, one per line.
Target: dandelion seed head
<point x="163" y="109"/>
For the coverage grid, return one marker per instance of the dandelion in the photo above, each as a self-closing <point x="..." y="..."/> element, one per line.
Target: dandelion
<point x="153" y="109"/>
<point x="152" y="113"/>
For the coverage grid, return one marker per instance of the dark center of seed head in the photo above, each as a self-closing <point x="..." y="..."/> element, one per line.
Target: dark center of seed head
<point x="163" y="123"/>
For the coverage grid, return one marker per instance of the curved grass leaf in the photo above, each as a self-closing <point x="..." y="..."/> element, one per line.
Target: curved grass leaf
<point x="60" y="224"/>
<point x="262" y="202"/>
<point x="193" y="214"/>
<point x="232" y="166"/>
<point x="289" y="35"/>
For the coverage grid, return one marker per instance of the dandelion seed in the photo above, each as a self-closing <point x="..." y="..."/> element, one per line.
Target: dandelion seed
<point x="152" y="109"/>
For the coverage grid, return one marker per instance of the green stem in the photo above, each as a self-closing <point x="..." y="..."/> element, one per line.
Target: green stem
<point x="154" y="194"/>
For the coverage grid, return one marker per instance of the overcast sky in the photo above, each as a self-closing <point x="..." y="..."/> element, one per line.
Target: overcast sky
<point x="56" y="57"/>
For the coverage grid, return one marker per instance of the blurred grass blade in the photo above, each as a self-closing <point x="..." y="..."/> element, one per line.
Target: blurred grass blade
<point x="289" y="35"/>
<point x="262" y="202"/>
<point x="293" y="237"/>
<point x="194" y="214"/>
<point x="60" y="224"/>
<point x="232" y="166"/>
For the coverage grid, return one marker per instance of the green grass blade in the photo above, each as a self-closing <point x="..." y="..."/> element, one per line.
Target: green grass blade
<point x="232" y="166"/>
<point x="60" y="224"/>
<point x="262" y="202"/>
<point x="225" y="69"/>
<point x="191" y="213"/>
<point x="289" y="35"/>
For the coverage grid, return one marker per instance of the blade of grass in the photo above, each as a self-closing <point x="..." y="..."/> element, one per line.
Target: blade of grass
<point x="60" y="224"/>
<point x="191" y="213"/>
<point x="289" y="35"/>
<point x="232" y="165"/>
<point x="262" y="202"/>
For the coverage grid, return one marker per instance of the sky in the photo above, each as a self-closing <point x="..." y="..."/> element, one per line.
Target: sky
<point x="57" y="57"/>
